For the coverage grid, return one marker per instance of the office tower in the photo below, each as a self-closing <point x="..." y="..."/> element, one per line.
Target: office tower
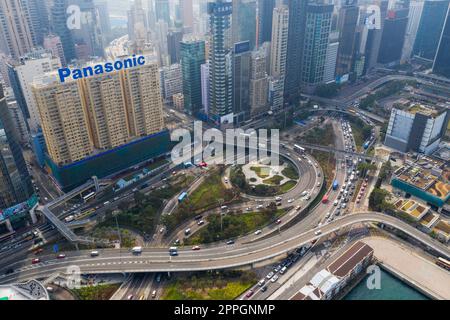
<point x="297" y="24"/>
<point x="17" y="118"/>
<point x="441" y="64"/>
<point x="430" y="28"/>
<point x="37" y="13"/>
<point x="151" y="16"/>
<point x="318" y="26"/>
<point x="162" y="10"/>
<point x="187" y="14"/>
<point x="192" y="58"/>
<point x="373" y="39"/>
<point x="15" y="181"/>
<point x="137" y="22"/>
<point x="171" y="81"/>
<point x="347" y="21"/>
<point x="53" y="44"/>
<point x="418" y="128"/>
<point x="59" y="27"/>
<point x="244" y="21"/>
<point x="100" y="124"/>
<point x="162" y="29"/>
<point x="205" y="86"/>
<point x="393" y="36"/>
<point x="174" y="37"/>
<point x="265" y="13"/>
<point x="29" y="68"/>
<point x="415" y="13"/>
<point x="329" y="72"/>
<point x="241" y="80"/>
<point x="279" y="42"/>
<point x="105" y="23"/>
<point x="220" y="73"/>
<point x="258" y="82"/>
<point x="15" y="29"/>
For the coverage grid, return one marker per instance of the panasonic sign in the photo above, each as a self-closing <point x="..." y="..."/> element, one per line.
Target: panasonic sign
<point x="98" y="69"/>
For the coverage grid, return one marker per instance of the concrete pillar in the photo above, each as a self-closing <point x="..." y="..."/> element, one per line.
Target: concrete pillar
<point x="9" y="226"/>
<point x="33" y="215"/>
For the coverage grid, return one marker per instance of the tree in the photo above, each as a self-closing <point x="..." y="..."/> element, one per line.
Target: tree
<point x="327" y="90"/>
<point x="377" y="200"/>
<point x="364" y="167"/>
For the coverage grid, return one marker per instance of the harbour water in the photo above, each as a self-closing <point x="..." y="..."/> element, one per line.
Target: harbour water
<point x="392" y="288"/>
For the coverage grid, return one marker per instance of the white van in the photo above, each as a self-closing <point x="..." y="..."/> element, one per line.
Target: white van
<point x="136" y="250"/>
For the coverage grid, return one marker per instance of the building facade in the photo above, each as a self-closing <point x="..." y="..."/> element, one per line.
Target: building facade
<point x="441" y="64"/>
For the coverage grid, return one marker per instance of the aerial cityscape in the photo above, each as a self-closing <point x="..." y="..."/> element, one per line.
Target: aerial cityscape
<point x="247" y="150"/>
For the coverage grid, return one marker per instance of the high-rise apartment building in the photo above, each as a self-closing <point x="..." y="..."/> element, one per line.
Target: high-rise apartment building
<point x="31" y="66"/>
<point x="80" y="118"/>
<point x="430" y="28"/>
<point x="192" y="58"/>
<point x="220" y="70"/>
<point x="174" y="37"/>
<point x="205" y="86"/>
<point x="279" y="42"/>
<point x="441" y="65"/>
<point x="53" y="43"/>
<point x="15" y="29"/>
<point x="171" y="81"/>
<point x="258" y="82"/>
<point x="317" y="32"/>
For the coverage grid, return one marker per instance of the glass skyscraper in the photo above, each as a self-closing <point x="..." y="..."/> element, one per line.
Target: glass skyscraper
<point x="442" y="61"/>
<point x="192" y="57"/>
<point x="430" y="28"/>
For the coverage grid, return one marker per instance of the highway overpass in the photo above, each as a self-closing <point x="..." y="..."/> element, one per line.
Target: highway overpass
<point x="216" y="256"/>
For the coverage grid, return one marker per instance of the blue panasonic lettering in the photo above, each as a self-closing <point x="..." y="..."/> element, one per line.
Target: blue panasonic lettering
<point x="118" y="65"/>
<point x="141" y="60"/>
<point x="109" y="67"/>
<point x="63" y="74"/>
<point x="99" y="69"/>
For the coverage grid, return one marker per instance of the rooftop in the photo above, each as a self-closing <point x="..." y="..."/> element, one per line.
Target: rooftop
<point x="343" y="265"/>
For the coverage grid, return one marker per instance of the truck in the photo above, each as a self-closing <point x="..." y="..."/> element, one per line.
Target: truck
<point x="335" y="185"/>
<point x="182" y="197"/>
<point x="366" y="145"/>
<point x="325" y="199"/>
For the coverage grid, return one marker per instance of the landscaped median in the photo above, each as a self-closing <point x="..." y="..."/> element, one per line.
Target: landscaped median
<point x="223" y="285"/>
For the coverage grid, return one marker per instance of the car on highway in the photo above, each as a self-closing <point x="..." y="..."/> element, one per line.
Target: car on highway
<point x="264" y="289"/>
<point x="260" y="206"/>
<point x="274" y="278"/>
<point x="270" y="275"/>
<point x="201" y="222"/>
<point x="318" y="232"/>
<point x="261" y="282"/>
<point x="196" y="248"/>
<point x="40" y="250"/>
<point x="153" y="294"/>
<point x="187" y="231"/>
<point x="291" y="200"/>
<point x="35" y="261"/>
<point x="258" y="232"/>
<point x="278" y="221"/>
<point x="248" y="209"/>
<point x="230" y="242"/>
<point x="249" y="293"/>
<point x="277" y="268"/>
<point x="61" y="256"/>
<point x="95" y="253"/>
<point x="130" y="297"/>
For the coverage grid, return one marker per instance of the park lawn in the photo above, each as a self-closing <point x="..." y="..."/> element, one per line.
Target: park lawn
<point x="98" y="292"/>
<point x="262" y="172"/>
<point x="320" y="136"/>
<point x="285" y="187"/>
<point x="208" y="193"/>
<point x="290" y="172"/>
<point x="274" y="181"/>
<point x="327" y="162"/>
<point x="209" y="287"/>
<point x="234" y="225"/>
